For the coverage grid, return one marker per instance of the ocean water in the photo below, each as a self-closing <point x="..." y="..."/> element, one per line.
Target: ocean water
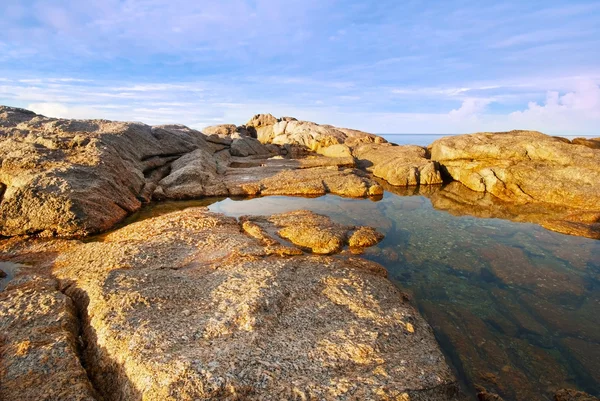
<point x="514" y="306"/>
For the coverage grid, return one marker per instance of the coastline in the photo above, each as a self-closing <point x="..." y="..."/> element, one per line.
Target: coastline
<point x="87" y="176"/>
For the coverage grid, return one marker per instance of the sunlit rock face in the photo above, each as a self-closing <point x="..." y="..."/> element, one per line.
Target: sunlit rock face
<point x="75" y="177"/>
<point x="398" y="165"/>
<point x="523" y="167"/>
<point x="63" y="177"/>
<point x="195" y="305"/>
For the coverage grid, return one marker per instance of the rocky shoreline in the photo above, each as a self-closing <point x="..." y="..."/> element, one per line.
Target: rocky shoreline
<point x="197" y="305"/>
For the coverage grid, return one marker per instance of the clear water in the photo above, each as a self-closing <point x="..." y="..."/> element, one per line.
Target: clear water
<point x="9" y="270"/>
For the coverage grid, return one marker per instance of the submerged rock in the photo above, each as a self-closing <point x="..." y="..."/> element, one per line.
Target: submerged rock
<point x="189" y="306"/>
<point x="573" y="395"/>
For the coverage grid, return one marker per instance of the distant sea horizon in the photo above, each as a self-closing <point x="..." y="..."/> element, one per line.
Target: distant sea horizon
<point x="428" y="139"/>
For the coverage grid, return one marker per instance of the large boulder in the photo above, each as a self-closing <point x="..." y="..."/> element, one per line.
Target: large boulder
<point x="76" y="177"/>
<point x="523" y="167"/>
<point x="188" y="306"/>
<point x="398" y="165"/>
<point x="290" y="131"/>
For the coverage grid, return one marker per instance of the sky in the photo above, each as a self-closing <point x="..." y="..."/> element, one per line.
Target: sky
<point x="386" y="66"/>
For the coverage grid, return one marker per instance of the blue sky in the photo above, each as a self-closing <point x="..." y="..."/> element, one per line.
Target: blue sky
<point x="387" y="66"/>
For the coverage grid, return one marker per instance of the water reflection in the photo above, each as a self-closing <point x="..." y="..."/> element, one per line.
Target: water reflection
<point x="8" y="270"/>
<point x="515" y="306"/>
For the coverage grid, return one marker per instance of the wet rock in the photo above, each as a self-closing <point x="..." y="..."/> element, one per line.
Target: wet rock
<point x="188" y="306"/>
<point x="523" y="167"/>
<point x="485" y="396"/>
<point x="588" y="355"/>
<point x="573" y="395"/>
<point x="398" y="165"/>
<point x="364" y="237"/>
<point x="514" y="267"/>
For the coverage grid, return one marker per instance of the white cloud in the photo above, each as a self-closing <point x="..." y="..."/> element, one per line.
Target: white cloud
<point x="59" y="110"/>
<point x="469" y="108"/>
<point x="578" y="110"/>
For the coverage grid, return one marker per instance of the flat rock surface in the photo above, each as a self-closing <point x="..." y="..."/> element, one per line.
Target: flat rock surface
<point x="191" y="305"/>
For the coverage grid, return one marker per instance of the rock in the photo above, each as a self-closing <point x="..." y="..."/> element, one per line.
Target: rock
<point x="573" y="395"/>
<point x="2" y="274"/>
<point x="187" y="306"/>
<point x="312" y="136"/>
<point x="223" y="130"/>
<point x="593" y="143"/>
<point x="523" y="167"/>
<point x="319" y="233"/>
<point x="485" y="396"/>
<point x="364" y="237"/>
<point x="262" y="120"/>
<point x="76" y="177"/>
<point x="340" y="150"/>
<point x="398" y="165"/>
<point x="39" y="344"/>
<point x="195" y="176"/>
<point x="247" y="146"/>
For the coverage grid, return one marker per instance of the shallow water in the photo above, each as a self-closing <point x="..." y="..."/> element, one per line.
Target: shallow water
<point x="514" y="306"/>
<point x="9" y="269"/>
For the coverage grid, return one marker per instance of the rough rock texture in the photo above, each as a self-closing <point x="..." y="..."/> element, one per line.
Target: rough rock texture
<point x="246" y="146"/>
<point x="188" y="306"/>
<point x="39" y="344"/>
<point x="75" y="177"/>
<point x="523" y="167"/>
<point x="398" y="165"/>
